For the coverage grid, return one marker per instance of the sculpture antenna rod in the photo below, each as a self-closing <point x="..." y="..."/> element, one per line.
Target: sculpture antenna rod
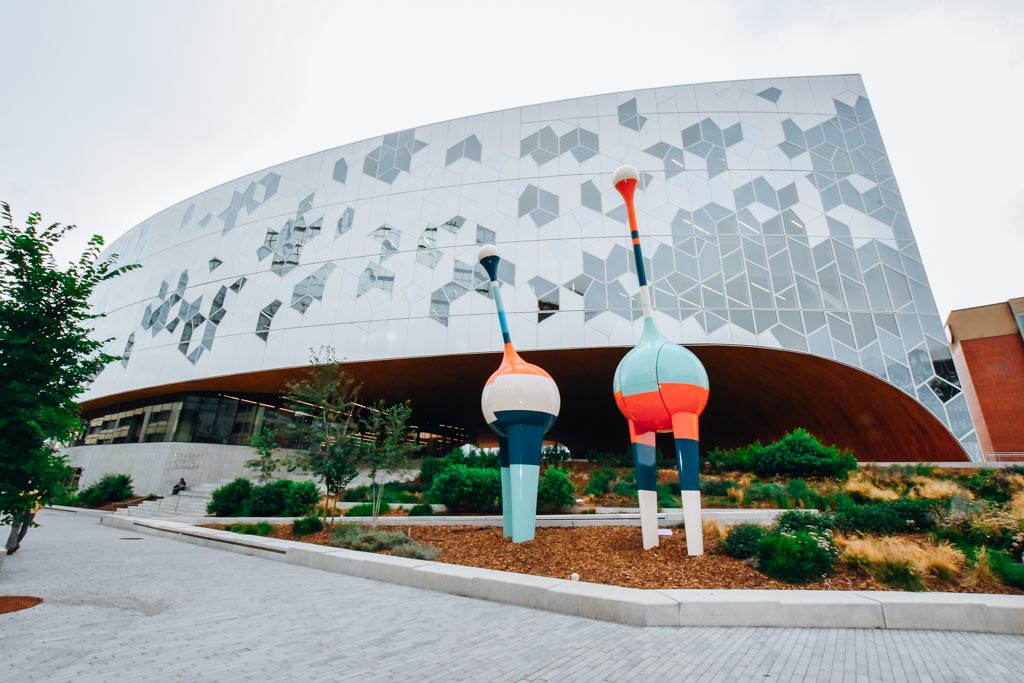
<point x="626" y="179"/>
<point x="489" y="259"/>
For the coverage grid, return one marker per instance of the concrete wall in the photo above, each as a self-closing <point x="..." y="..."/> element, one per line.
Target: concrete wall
<point x="155" y="467"/>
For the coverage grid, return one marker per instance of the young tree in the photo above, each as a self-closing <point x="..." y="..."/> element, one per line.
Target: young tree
<point x="47" y="355"/>
<point x="326" y="424"/>
<point x="265" y="444"/>
<point x="390" y="442"/>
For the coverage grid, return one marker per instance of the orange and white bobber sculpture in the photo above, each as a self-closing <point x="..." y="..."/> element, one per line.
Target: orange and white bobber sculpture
<point x="520" y="403"/>
<point x="660" y="387"/>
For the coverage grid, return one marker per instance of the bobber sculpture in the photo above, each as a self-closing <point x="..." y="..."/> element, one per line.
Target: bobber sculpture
<point x="660" y="387"/>
<point x="520" y="403"/>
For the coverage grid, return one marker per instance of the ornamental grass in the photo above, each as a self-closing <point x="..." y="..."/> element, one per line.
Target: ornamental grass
<point x="901" y="563"/>
<point x="861" y="484"/>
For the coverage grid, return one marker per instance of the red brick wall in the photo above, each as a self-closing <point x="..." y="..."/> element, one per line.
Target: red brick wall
<point x="995" y="369"/>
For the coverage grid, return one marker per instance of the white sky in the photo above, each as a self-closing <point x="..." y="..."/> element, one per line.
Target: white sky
<point x="115" y="110"/>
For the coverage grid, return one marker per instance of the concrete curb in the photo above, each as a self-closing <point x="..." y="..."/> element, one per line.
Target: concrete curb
<point x="980" y="613"/>
<point x="79" y="511"/>
<point x="668" y="517"/>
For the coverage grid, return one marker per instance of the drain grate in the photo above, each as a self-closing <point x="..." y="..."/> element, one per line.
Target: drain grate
<point x="131" y="538"/>
<point x="13" y="603"/>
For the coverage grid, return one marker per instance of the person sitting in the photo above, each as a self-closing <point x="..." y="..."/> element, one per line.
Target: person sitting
<point x="180" y="486"/>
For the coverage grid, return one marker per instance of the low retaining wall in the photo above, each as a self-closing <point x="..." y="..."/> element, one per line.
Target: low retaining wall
<point x="981" y="613"/>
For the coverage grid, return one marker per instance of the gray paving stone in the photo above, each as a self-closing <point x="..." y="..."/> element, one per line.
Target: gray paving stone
<point x="166" y="611"/>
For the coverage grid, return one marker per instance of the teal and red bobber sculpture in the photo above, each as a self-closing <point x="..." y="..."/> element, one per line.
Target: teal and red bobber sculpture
<point x="520" y="403"/>
<point x="660" y="387"/>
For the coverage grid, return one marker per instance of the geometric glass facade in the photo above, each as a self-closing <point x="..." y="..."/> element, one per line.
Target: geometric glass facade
<point x="769" y="213"/>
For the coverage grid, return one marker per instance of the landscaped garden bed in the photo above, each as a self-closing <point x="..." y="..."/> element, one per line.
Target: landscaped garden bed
<point x="846" y="528"/>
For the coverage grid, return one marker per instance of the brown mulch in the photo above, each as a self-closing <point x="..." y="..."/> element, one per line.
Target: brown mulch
<point x="614" y="555"/>
<point x="600" y="554"/>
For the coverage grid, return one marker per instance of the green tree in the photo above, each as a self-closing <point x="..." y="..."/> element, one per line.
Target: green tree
<point x="390" y="442"/>
<point x="325" y="425"/>
<point x="264" y="442"/>
<point x="47" y="355"/>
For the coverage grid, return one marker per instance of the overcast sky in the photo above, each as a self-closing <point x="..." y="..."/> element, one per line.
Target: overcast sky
<point x="113" y="111"/>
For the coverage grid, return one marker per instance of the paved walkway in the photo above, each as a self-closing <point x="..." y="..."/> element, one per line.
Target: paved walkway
<point x="118" y="609"/>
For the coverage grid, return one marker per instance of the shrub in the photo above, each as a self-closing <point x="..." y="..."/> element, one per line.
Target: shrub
<point x="733" y="460"/>
<point x="301" y="498"/>
<point x="625" y="487"/>
<point x="887" y="516"/>
<point x="366" y="510"/>
<point x="800" y="454"/>
<point x="981" y="576"/>
<point x="468" y="489"/>
<point x="801" y="520"/>
<point x="612" y="458"/>
<point x="258" y="529"/>
<point x="743" y="540"/>
<point x="373" y="540"/>
<point x="716" y="487"/>
<point x="796" y="557"/>
<point x="415" y="551"/>
<point x="760" y="492"/>
<point x="421" y="510"/>
<point x="110" y="489"/>
<point x="394" y="492"/>
<point x="306" y="526"/>
<point x="600" y="481"/>
<point x="1010" y="572"/>
<point x="902" y="563"/>
<point x="555" y="491"/>
<point x="344" y="532"/>
<point x="229" y="500"/>
<point x="980" y="522"/>
<point x="268" y="500"/>
<point x="665" y="497"/>
<point x="996" y="485"/>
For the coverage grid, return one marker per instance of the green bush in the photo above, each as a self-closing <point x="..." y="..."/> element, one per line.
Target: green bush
<point x="431" y="467"/>
<point x="373" y="540"/>
<point x="611" y="458"/>
<point x="888" y="516"/>
<point x="765" y="491"/>
<point x="899" y="574"/>
<point x="229" y="500"/>
<point x="799" y="454"/>
<point x="802" y="520"/>
<point x="468" y="489"/>
<point x="555" y="491"/>
<point x="734" y="459"/>
<point x="993" y="485"/>
<point x="268" y="500"/>
<point x="743" y="540"/>
<point x="717" y="487"/>
<point x="258" y="529"/>
<point x="112" y="488"/>
<point x="415" y="551"/>
<point x="796" y="557"/>
<point x="666" y="499"/>
<point x="600" y="481"/>
<point x="344" y="533"/>
<point x="366" y="510"/>
<point x="394" y="492"/>
<point x="421" y="510"/>
<point x="1009" y="572"/>
<point x="301" y="498"/>
<point x="625" y="487"/>
<point x="306" y="526"/>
